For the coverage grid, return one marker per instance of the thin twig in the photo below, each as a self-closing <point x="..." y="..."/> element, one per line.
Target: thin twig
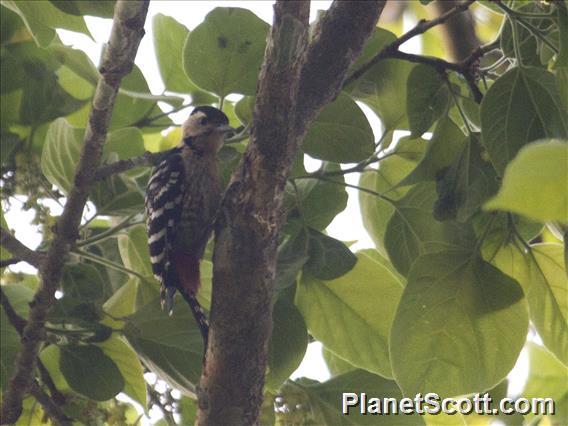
<point x="9" y="262"/>
<point x="420" y="28"/>
<point x="467" y="67"/>
<point x="20" y="251"/>
<point x="146" y="159"/>
<point x="49" y="404"/>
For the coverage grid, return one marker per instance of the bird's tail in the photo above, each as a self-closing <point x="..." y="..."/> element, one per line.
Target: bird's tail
<point x="198" y="314"/>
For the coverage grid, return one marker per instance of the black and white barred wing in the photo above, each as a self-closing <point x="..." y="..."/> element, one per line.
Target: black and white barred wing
<point x="163" y="209"/>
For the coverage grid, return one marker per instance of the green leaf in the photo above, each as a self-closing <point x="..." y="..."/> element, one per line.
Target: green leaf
<point x="459" y="328"/>
<point x="324" y="401"/>
<point x="19" y="298"/>
<point x="90" y="372"/>
<point x="534" y="184"/>
<point x="343" y="313"/>
<point x="100" y="8"/>
<point x="292" y="255"/>
<point x="522" y="106"/>
<point x="383" y="87"/>
<point x="130" y="368"/>
<point x="228" y="35"/>
<point x="388" y="181"/>
<point x="60" y="154"/>
<point x="43" y="98"/>
<point x="317" y="202"/>
<point x="77" y="61"/>
<point x="446" y="143"/>
<point x="542" y="275"/>
<point x="42" y="18"/>
<point x="244" y="109"/>
<point x="169" y="39"/>
<point x="328" y="258"/>
<point x="133" y="247"/>
<point x="412" y="231"/>
<point x="547" y="379"/>
<point x="528" y="44"/>
<point x="287" y="344"/>
<point x="118" y="195"/>
<point x="340" y="133"/>
<point x="427" y="98"/>
<point x="170" y="346"/>
<point x="82" y="282"/>
<point x="129" y="108"/>
<point x="335" y="364"/>
<point x="468" y="182"/>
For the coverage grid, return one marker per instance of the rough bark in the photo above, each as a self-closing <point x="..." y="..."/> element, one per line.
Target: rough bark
<point x="118" y="59"/>
<point x="297" y="80"/>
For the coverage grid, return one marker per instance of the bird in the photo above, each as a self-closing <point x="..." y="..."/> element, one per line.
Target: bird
<point x="182" y="200"/>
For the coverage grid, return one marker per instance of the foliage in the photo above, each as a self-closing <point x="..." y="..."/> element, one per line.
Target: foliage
<point x="467" y="214"/>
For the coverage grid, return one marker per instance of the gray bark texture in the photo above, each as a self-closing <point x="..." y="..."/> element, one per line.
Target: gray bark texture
<point x="300" y="75"/>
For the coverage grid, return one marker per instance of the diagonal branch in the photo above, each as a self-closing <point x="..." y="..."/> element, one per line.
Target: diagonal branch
<point x="420" y="28"/>
<point x="146" y="159"/>
<point x="296" y="81"/>
<point x="118" y="59"/>
<point x="20" y="251"/>
<point x="49" y="404"/>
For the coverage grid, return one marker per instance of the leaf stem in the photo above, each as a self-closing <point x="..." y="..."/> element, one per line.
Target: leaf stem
<point x="458" y="106"/>
<point x="124" y="224"/>
<point x="105" y="262"/>
<point x="348" y="185"/>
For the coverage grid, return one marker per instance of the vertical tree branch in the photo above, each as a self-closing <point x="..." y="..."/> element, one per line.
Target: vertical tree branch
<point x="458" y="31"/>
<point x="297" y="80"/>
<point x="118" y="59"/>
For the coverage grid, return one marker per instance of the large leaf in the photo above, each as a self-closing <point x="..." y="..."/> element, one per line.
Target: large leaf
<point x="467" y="183"/>
<point x="134" y="250"/>
<point x="60" y="154"/>
<point x="90" y="372"/>
<point x="383" y="87"/>
<point x="171" y="346"/>
<point x="534" y="184"/>
<point x="42" y="18"/>
<point x="542" y="275"/>
<point x="340" y="133"/>
<point x="129" y="365"/>
<point x="169" y="39"/>
<point x="100" y="8"/>
<point x="82" y="282"/>
<point x="446" y="143"/>
<point x="343" y="313"/>
<point x="459" y="328"/>
<point x="412" y="230"/>
<point x="328" y="258"/>
<point x="427" y="97"/>
<point x="19" y="297"/>
<point x="547" y="379"/>
<point x="224" y="53"/>
<point x="317" y="202"/>
<point x="287" y="344"/>
<point x="522" y="106"/>
<point x="130" y="109"/>
<point x="327" y="401"/>
<point x="387" y="181"/>
<point x="292" y="255"/>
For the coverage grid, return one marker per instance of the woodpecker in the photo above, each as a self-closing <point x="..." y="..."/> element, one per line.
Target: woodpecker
<point x="182" y="199"/>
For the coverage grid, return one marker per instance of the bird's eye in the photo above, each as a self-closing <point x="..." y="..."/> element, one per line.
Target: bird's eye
<point x="203" y="121"/>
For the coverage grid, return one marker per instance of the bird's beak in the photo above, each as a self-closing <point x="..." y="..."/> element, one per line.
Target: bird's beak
<point x="228" y="130"/>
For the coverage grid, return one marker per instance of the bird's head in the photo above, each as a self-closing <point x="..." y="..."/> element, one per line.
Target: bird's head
<point x="206" y="129"/>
